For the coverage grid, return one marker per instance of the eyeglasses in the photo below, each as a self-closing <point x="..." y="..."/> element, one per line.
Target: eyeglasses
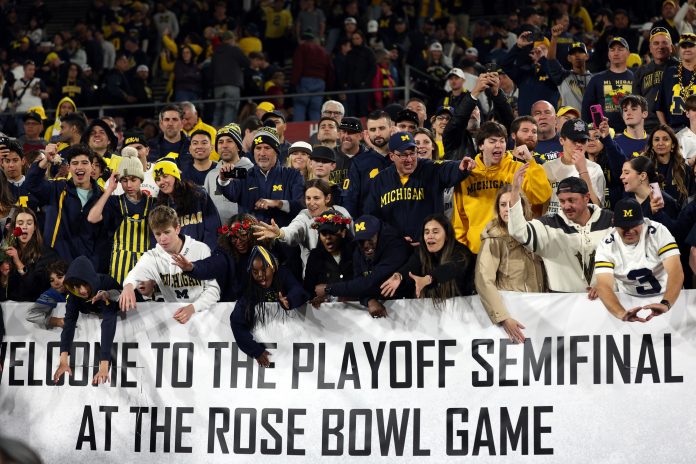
<point x="443" y="117"/>
<point x="332" y="113"/>
<point x="406" y="155"/>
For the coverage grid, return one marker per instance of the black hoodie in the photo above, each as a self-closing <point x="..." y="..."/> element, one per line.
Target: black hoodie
<point x="81" y="269"/>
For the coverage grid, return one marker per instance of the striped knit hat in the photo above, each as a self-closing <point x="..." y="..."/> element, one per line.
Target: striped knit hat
<point x="230" y="130"/>
<point x="267" y="135"/>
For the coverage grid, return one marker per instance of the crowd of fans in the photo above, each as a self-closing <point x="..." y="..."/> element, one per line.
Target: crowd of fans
<point x="554" y="152"/>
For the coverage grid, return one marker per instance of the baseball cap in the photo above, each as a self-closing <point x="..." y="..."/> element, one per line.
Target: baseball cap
<point x="577" y="47"/>
<point x="572" y="185"/>
<point x="444" y="109"/>
<point x="575" y="130"/>
<point x="366" y="227"/>
<point x="687" y="39"/>
<point x="33" y="115"/>
<point x="142" y="67"/>
<point x="372" y="26"/>
<point x="350" y="20"/>
<point x="634" y="59"/>
<point x="351" y="124"/>
<point x="618" y="40"/>
<point x="563" y="110"/>
<point x="436" y="47"/>
<point x="627" y="213"/>
<point x="321" y="153"/>
<point x="470" y="51"/>
<point x="300" y="146"/>
<point x="266" y="106"/>
<point x="659" y="30"/>
<point x="456" y="72"/>
<point x="407" y="115"/>
<point x="134" y="137"/>
<point x="272" y="114"/>
<point x="674" y="4"/>
<point x="401" y="141"/>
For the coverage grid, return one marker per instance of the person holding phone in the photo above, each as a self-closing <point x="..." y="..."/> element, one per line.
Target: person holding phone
<point x="642" y="182"/>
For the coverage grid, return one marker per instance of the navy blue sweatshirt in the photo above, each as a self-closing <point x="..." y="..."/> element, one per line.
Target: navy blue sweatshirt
<point x="280" y="183"/>
<point x="241" y="329"/>
<point x="363" y="169"/>
<point x="532" y="79"/>
<point x="405" y="206"/>
<point x="82" y="269"/>
<point x="612" y="165"/>
<point x="322" y="267"/>
<point x="391" y="253"/>
<point x="202" y="222"/>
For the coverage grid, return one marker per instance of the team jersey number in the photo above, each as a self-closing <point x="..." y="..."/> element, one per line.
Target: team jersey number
<point x="645" y="276"/>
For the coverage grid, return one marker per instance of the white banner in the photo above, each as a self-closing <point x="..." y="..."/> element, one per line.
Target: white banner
<point x="423" y="385"/>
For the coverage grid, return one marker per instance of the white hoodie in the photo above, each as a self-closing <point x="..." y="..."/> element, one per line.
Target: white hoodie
<point x="175" y="286"/>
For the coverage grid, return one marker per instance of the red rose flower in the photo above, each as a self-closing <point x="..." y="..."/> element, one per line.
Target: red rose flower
<point x="17" y="232"/>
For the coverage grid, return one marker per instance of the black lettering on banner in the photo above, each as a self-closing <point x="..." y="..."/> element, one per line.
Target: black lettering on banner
<point x="3" y="353"/>
<point x="31" y="381"/>
<point x="483" y="423"/>
<point x="219" y="432"/>
<point x="354" y="432"/>
<point x="421" y="362"/>
<point x="292" y="431"/>
<point x="476" y="378"/>
<point x="165" y="429"/>
<point x="539" y="430"/>
<point x="374" y="360"/>
<point x="520" y="432"/>
<point x="188" y="378"/>
<point x="596" y="356"/>
<point x="536" y="364"/>
<point x="669" y="378"/>
<point x="237" y="446"/>
<point x="261" y="379"/>
<point x="504" y="362"/>
<point x="560" y="360"/>
<point x="354" y="375"/>
<point x="444" y="362"/>
<point x="298" y="368"/>
<point x="393" y="432"/>
<point x="321" y="374"/>
<point x="138" y="411"/>
<point x="217" y="346"/>
<point x="327" y="430"/>
<point x="408" y="364"/>
<point x="125" y="364"/>
<point x="463" y="443"/>
<point x="417" y="450"/>
<point x="107" y="410"/>
<point x="50" y="348"/>
<point x="15" y="363"/>
<point x="87" y="435"/>
<point x="277" y="448"/>
<point x="647" y="351"/>
<point x="614" y="359"/>
<point x="574" y="358"/>
<point x="159" y="348"/>
<point x="84" y="379"/>
<point x="241" y="361"/>
<point x="180" y="429"/>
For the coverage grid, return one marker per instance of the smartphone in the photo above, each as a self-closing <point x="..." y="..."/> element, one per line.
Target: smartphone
<point x="656" y="192"/>
<point x="235" y="173"/>
<point x="4" y="140"/>
<point x="597" y="115"/>
<point x="538" y="37"/>
<point x="491" y="67"/>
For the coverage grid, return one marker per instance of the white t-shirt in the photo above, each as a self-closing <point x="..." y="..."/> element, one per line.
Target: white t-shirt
<point x="556" y="171"/>
<point x="638" y="268"/>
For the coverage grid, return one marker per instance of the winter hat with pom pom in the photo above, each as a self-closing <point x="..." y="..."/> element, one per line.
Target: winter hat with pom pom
<point x="130" y="164"/>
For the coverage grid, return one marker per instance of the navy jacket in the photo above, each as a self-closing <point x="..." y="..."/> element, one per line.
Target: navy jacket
<point x="363" y="169"/>
<point x="391" y="253"/>
<point x="322" y="268"/>
<point x="405" y="206"/>
<point x="241" y="330"/>
<point x="532" y="79"/>
<point x="82" y="269"/>
<point x="612" y="165"/>
<point x="281" y="183"/>
<point x="160" y="148"/>
<point x="74" y="235"/>
<point x="200" y="224"/>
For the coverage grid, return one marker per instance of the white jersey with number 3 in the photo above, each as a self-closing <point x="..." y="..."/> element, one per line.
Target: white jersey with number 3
<point x="638" y="268"/>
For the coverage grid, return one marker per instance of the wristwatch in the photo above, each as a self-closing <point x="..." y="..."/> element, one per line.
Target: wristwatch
<point x="666" y="303"/>
<point x="327" y="290"/>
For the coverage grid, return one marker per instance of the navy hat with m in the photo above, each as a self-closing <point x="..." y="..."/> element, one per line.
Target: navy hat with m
<point x="401" y="141"/>
<point x="366" y="227"/>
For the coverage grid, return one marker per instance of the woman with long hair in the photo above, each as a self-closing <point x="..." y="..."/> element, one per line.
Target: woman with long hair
<point x="197" y="213"/>
<point x="318" y="199"/>
<point x="6" y="203"/>
<point x="664" y="151"/>
<point x="504" y="264"/>
<point x="603" y="150"/>
<point x="441" y="268"/>
<point x="272" y="294"/>
<point x="28" y="257"/>
<point x="637" y="175"/>
<point x="298" y="158"/>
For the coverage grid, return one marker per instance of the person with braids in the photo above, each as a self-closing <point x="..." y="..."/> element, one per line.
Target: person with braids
<point x="441" y="267"/>
<point x="678" y="83"/>
<point x="504" y="264"/>
<point x="197" y="213"/>
<point x="637" y="175"/>
<point x="664" y="151"/>
<point x="272" y="294"/>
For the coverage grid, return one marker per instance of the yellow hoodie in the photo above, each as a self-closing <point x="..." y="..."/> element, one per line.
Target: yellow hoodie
<point x="474" y="198"/>
<point x="54" y="129"/>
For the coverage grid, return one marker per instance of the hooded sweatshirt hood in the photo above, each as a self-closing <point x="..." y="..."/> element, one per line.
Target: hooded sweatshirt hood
<point x="54" y="130"/>
<point x="82" y="269"/>
<point x="113" y="140"/>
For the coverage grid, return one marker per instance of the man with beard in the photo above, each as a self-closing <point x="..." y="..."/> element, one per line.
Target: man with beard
<point x="228" y="144"/>
<point x="549" y="145"/>
<point x="648" y="77"/>
<point x="405" y="204"/>
<point x="524" y="133"/>
<point x="172" y="138"/>
<point x="350" y="134"/>
<point x="365" y="167"/>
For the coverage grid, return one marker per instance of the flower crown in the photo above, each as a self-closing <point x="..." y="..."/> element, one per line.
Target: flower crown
<point x="234" y="231"/>
<point x="336" y="219"/>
